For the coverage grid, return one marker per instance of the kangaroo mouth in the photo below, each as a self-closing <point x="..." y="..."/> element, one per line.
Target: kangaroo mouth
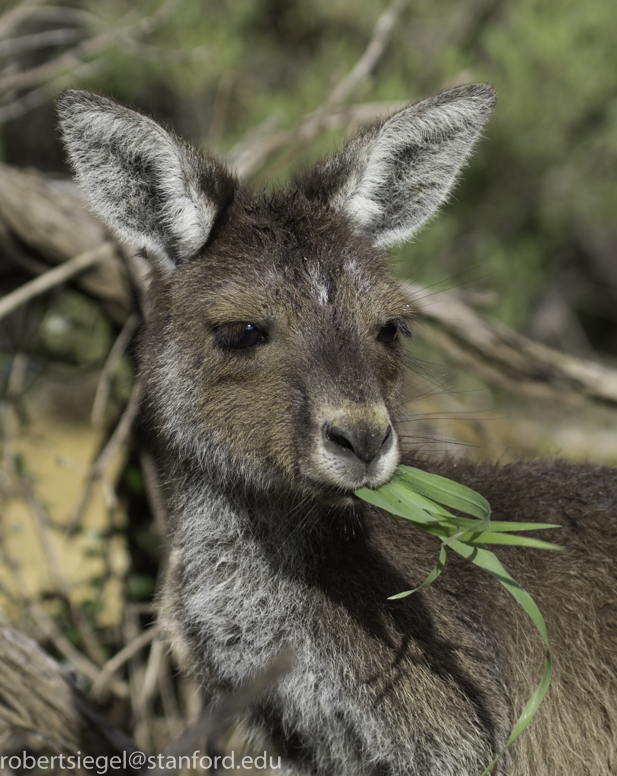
<point x="332" y="495"/>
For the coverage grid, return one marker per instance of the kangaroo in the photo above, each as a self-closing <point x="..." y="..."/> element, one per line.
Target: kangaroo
<point x="273" y="358"/>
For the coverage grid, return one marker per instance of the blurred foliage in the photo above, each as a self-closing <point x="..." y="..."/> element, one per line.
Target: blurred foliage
<point x="75" y="330"/>
<point x="535" y="210"/>
<point x="532" y="218"/>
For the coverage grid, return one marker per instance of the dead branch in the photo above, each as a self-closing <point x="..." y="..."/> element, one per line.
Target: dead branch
<point x="116" y="440"/>
<point x="13" y="18"/>
<point x="39" y="697"/>
<point x="47" y="630"/>
<point x="119" y="659"/>
<point x="115" y="354"/>
<point x="253" y="152"/>
<point x="35" y="97"/>
<point x="249" y="155"/>
<point x="504" y="357"/>
<point x="91" y="645"/>
<point x="39" y="40"/>
<point x="54" y="277"/>
<point x="125" y="28"/>
<point x="373" y="53"/>
<point x="44" y="223"/>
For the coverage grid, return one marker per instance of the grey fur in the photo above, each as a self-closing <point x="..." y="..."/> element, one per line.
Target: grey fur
<point x="392" y="178"/>
<point x="147" y="185"/>
<point x="262" y="446"/>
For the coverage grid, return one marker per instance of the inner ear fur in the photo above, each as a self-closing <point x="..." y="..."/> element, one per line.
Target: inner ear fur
<point x="392" y="177"/>
<point x="152" y="189"/>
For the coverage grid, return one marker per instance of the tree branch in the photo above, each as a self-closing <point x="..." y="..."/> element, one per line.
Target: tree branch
<point x="54" y="277"/>
<point x="506" y="358"/>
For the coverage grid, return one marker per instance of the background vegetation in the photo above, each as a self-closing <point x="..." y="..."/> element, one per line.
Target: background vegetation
<point x="530" y="237"/>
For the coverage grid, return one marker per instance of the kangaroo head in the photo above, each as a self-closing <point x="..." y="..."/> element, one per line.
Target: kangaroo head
<point x="273" y="349"/>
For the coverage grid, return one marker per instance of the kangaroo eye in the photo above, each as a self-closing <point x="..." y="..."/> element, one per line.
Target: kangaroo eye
<point x="239" y="335"/>
<point x="388" y="334"/>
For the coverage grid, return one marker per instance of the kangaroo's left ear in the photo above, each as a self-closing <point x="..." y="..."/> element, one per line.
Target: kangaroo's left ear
<point x="147" y="185"/>
<point x="390" y="179"/>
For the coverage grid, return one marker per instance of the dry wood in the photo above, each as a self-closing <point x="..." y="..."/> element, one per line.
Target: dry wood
<point x="251" y="153"/>
<point x="506" y="358"/>
<point x="38" y="696"/>
<point x="54" y="277"/>
<point x="103" y="388"/>
<point x="119" y="659"/>
<point x="125" y="28"/>
<point x="373" y="53"/>
<point x="11" y="19"/>
<point x="46" y="223"/>
<point x="115" y="442"/>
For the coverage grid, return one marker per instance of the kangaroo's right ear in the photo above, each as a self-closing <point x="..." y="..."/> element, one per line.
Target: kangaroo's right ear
<point x="147" y="185"/>
<point x="391" y="178"/>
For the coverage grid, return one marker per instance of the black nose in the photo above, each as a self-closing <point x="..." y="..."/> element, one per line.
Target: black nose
<point x="364" y="442"/>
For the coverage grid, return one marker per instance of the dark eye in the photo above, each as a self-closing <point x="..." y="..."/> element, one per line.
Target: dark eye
<point x="239" y="335"/>
<point x="388" y="334"/>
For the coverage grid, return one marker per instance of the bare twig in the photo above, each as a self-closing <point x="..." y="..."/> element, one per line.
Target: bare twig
<point x="153" y="669"/>
<point x="13" y="18"/>
<point x="116" y="440"/>
<point x="248" y="157"/>
<point x="505" y="357"/>
<point x="49" y="630"/>
<point x="125" y="28"/>
<point x="373" y="53"/>
<point x="169" y="701"/>
<point x="35" y="97"/>
<point x="53" y="278"/>
<point x="104" y="385"/>
<point x="17" y="376"/>
<point x="39" y="40"/>
<point x="119" y="659"/>
<point x="91" y="645"/>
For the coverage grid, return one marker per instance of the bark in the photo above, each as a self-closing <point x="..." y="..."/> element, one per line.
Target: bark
<point x="38" y="697"/>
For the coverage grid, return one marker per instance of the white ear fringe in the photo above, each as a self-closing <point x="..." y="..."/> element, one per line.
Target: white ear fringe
<point x="138" y="178"/>
<point x="400" y="174"/>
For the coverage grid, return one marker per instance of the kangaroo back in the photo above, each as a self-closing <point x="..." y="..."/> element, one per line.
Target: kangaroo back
<point x="273" y="360"/>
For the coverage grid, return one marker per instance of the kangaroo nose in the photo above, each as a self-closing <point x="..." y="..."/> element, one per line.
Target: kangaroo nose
<point x="364" y="442"/>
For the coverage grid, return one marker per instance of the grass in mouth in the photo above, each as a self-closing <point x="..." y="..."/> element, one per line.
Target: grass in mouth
<point x="423" y="499"/>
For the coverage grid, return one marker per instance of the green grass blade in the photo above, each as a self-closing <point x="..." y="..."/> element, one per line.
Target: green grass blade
<point x="494" y="537"/>
<point x="431" y="577"/>
<point x="490" y="563"/>
<point x="418" y="497"/>
<point x="445" y="491"/>
<point x="384" y="499"/>
<point x="407" y="496"/>
<point x="507" y="526"/>
<point x="402" y="495"/>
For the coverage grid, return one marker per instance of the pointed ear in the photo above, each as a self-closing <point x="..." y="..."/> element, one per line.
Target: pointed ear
<point x="148" y="186"/>
<point x="390" y="179"/>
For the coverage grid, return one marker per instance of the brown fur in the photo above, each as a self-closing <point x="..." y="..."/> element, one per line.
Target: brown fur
<point x="262" y="445"/>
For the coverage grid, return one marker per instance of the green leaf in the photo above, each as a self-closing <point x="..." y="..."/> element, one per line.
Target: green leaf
<point x="431" y="577"/>
<point x="384" y="499"/>
<point x="419" y="497"/>
<point x="445" y="491"/>
<point x="507" y="525"/>
<point x="494" y="537"/>
<point x="490" y="563"/>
